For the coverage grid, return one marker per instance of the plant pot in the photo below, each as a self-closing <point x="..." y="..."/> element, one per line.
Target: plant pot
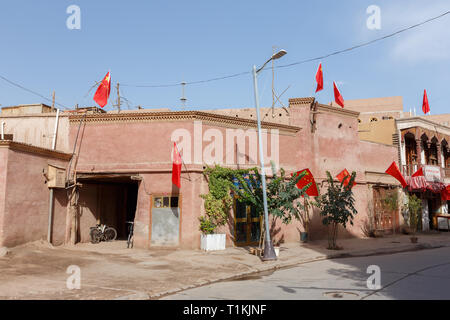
<point x="414" y="239"/>
<point x="379" y="233"/>
<point x="304" y="236"/>
<point x="277" y="250"/>
<point x="211" y="242"/>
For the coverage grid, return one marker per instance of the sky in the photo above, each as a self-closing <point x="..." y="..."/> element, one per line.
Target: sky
<point x="155" y="42"/>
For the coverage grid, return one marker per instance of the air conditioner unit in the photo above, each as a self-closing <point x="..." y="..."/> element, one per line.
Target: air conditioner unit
<point x="56" y="177"/>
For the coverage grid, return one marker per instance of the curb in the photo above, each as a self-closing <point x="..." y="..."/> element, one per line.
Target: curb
<point x="295" y="262"/>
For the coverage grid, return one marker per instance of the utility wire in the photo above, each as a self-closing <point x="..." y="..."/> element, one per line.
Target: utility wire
<point x="299" y="62"/>
<point x="31" y="91"/>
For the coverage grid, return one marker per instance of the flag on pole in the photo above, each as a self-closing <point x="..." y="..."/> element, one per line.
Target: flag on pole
<point x="425" y="105"/>
<point x="337" y="96"/>
<point x="176" y="167"/>
<point x="319" y="78"/>
<point x="308" y="178"/>
<point x="418" y="173"/>
<point x="341" y="176"/>
<point x="395" y="172"/>
<point x="102" y="94"/>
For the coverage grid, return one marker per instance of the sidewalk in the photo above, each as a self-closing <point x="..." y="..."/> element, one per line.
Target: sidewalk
<point x="110" y="271"/>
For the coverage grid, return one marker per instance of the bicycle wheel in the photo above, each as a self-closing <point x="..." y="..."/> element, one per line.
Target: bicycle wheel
<point x="96" y="235"/>
<point x="110" y="234"/>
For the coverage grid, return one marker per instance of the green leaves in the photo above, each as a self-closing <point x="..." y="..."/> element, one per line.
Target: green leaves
<point x="338" y="204"/>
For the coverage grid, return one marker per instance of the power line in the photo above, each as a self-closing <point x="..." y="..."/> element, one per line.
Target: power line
<point x="31" y="91"/>
<point x="299" y="62"/>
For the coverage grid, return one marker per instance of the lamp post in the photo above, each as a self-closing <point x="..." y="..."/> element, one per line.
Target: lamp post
<point x="269" y="252"/>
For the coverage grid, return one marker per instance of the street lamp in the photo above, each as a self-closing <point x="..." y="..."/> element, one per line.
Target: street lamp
<point x="269" y="252"/>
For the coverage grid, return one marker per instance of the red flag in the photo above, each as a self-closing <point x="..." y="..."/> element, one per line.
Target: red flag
<point x="344" y="173"/>
<point x="176" y="167"/>
<point x="337" y="96"/>
<point x="319" y="78"/>
<point x="418" y="173"/>
<point x="445" y="193"/>
<point x="425" y="105"/>
<point x="312" y="190"/>
<point x="395" y="172"/>
<point x="102" y="94"/>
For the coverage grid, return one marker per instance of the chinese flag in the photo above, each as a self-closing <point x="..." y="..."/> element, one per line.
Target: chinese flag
<point x="344" y="173"/>
<point x="395" y="172"/>
<point x="176" y="167"/>
<point x="425" y="105"/>
<point x="102" y="94"/>
<point x="319" y="78"/>
<point x="337" y="96"/>
<point x="418" y="173"/>
<point x="312" y="190"/>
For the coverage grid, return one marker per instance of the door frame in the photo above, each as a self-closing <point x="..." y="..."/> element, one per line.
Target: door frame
<point x="248" y="220"/>
<point x="160" y="195"/>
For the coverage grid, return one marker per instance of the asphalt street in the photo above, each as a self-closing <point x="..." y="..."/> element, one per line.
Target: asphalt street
<point x="423" y="274"/>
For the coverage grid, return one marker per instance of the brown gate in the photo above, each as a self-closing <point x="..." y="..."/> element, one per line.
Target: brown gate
<point x="385" y="217"/>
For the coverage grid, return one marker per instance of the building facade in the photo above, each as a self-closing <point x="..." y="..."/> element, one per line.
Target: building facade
<point x="121" y="166"/>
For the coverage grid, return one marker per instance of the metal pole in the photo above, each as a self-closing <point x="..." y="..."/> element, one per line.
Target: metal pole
<point x="269" y="252"/>
<point x="50" y="217"/>
<point x="3" y="130"/>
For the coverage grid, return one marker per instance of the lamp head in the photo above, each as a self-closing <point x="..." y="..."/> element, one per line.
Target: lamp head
<point x="279" y="54"/>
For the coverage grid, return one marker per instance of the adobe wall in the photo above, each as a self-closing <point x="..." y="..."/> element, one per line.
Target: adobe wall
<point x="37" y="129"/>
<point x="27" y="200"/>
<point x="3" y="179"/>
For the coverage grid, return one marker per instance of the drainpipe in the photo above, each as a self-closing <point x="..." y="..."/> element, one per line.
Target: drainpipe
<point x="50" y="207"/>
<point x="3" y="130"/>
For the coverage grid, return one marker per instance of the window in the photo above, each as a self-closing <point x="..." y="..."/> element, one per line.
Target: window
<point x="373" y="119"/>
<point x="165" y="202"/>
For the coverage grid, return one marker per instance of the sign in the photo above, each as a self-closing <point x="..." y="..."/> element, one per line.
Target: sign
<point x="432" y="173"/>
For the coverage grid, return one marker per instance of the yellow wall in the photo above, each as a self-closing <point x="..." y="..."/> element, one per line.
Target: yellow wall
<point x="380" y="131"/>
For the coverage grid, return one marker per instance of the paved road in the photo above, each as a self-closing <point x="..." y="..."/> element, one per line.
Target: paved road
<point x="410" y="275"/>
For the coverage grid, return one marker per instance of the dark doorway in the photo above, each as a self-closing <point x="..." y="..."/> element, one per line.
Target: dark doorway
<point x="111" y="201"/>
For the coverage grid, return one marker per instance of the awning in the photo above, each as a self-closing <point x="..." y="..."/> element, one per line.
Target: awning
<point x="420" y="184"/>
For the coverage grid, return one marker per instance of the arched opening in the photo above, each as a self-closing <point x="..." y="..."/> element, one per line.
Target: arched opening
<point x="411" y="154"/>
<point x="431" y="154"/>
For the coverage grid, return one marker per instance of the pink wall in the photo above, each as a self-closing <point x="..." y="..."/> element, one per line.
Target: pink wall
<point x="145" y="148"/>
<point x="27" y="200"/>
<point x="4" y="151"/>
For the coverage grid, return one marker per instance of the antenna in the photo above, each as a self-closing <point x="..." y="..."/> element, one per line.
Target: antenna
<point x="183" y="98"/>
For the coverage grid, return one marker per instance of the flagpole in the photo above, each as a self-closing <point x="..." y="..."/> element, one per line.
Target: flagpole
<point x="182" y="160"/>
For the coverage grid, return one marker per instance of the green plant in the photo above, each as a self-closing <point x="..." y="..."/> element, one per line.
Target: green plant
<point x="369" y="225"/>
<point x="414" y="207"/>
<point x="281" y="193"/>
<point x="302" y="212"/>
<point x="390" y="201"/>
<point x="337" y="207"/>
<point x="218" y="201"/>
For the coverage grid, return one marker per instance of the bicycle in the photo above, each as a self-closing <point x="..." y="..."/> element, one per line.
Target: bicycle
<point x="130" y="234"/>
<point x="101" y="232"/>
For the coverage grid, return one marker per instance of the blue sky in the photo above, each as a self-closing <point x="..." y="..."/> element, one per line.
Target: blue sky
<point x="164" y="42"/>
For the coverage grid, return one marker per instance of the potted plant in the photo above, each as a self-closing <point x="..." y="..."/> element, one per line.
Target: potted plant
<point x="214" y="218"/>
<point x="217" y="205"/>
<point x="302" y="213"/>
<point x="414" y="207"/>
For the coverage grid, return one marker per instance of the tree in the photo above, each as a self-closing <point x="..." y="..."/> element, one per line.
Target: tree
<point x="281" y="193"/>
<point x="337" y="206"/>
<point x="414" y="207"/>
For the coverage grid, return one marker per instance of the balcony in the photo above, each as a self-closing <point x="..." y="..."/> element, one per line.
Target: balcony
<point x="409" y="169"/>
